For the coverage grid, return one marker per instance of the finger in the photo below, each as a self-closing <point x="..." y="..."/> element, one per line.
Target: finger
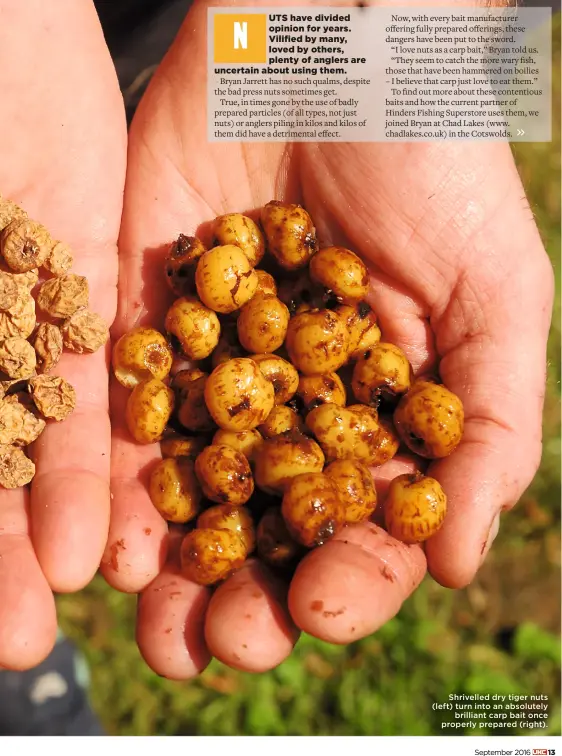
<point x="170" y="622"/>
<point x="496" y="362"/>
<point x="353" y="584"/>
<point x="248" y="625"/>
<point x="28" y="622"/>
<point x="137" y="543"/>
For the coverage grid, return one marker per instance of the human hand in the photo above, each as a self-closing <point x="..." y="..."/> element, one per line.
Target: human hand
<point x="63" y="146"/>
<point x="460" y="281"/>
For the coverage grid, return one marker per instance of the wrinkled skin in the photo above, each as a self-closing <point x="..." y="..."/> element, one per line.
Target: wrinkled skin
<point x="451" y="245"/>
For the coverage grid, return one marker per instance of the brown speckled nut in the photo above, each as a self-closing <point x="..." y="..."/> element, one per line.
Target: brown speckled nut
<point x="243" y="232"/>
<point x="290" y="234"/>
<point x="225" y="279"/>
<point x="312" y="509"/>
<point x="317" y="341"/>
<point x="224" y="475"/>
<point x="224" y="517"/>
<point x="285" y="456"/>
<point x="415" y="508"/>
<point x="381" y="373"/>
<point x="356" y="488"/>
<point x="430" y="420"/>
<point x="209" y="555"/>
<point x="342" y="272"/>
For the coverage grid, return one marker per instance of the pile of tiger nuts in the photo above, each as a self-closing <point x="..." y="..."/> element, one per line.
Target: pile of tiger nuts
<point x="31" y="348"/>
<point x="290" y="398"/>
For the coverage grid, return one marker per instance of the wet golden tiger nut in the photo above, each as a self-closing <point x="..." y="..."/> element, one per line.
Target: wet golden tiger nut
<point x="274" y="542"/>
<point x="224" y="475"/>
<point x="362" y="326"/>
<point x="194" y="327"/>
<point x="241" y="231"/>
<point x="176" y="445"/>
<point x="283" y="457"/>
<point x="61" y="297"/>
<point x="262" y="324"/>
<point x="280" y="420"/>
<point x="356" y="488"/>
<point x="228" y="347"/>
<point x="208" y="555"/>
<point x="430" y="420"/>
<point x="192" y="412"/>
<point x="266" y="283"/>
<point x="247" y="442"/>
<point x="181" y="262"/>
<point x="281" y="374"/>
<point x="149" y="408"/>
<point x="342" y="272"/>
<point x="346" y="433"/>
<point x="382" y="373"/>
<point x="312" y="509"/>
<point x="315" y="390"/>
<point x="317" y="341"/>
<point x="224" y="517"/>
<point x="386" y="442"/>
<point x="174" y="489"/>
<point x="25" y="244"/>
<point x="415" y="508"/>
<point x="225" y="279"/>
<point x="238" y="396"/>
<point x="290" y="234"/>
<point x="139" y="354"/>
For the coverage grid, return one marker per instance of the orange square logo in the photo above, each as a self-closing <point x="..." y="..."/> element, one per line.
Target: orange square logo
<point x="240" y="38"/>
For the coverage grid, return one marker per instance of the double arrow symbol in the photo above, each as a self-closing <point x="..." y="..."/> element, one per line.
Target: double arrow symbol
<point x="520" y="132"/>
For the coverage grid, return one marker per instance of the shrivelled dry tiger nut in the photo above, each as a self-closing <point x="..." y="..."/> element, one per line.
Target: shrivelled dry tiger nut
<point x="48" y="347"/>
<point x="53" y="396"/>
<point x="15" y="468"/>
<point x="25" y="244"/>
<point x="61" y="297"/>
<point x="17" y="358"/>
<point x="85" y="331"/>
<point x="59" y="260"/>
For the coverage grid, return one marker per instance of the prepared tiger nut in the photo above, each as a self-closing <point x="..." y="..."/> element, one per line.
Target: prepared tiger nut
<point x="281" y="419"/>
<point x="238" y="396"/>
<point x="241" y="231"/>
<point x="18" y="320"/>
<point x="54" y="397"/>
<point x="208" y="555"/>
<point x="17" y="358"/>
<point x="85" y="331"/>
<point x="415" y="507"/>
<point x="176" y="445"/>
<point x="192" y="412"/>
<point x="9" y="291"/>
<point x="317" y="341"/>
<point x="181" y="262"/>
<point x="430" y="420"/>
<point x="283" y="457"/>
<point x="25" y="244"/>
<point x="386" y="442"/>
<point x="301" y="294"/>
<point x="27" y="279"/>
<point x="224" y="517"/>
<point x="342" y="272"/>
<point x="225" y="279"/>
<point x="61" y="297"/>
<point x="281" y="374"/>
<point x="262" y="324"/>
<point x="266" y="283"/>
<point x="18" y="426"/>
<point x="382" y="373"/>
<point x="60" y="259"/>
<point x="312" y="509"/>
<point x="48" y="347"/>
<point x="225" y="475"/>
<point x="275" y="545"/>
<point x="344" y="433"/>
<point x="290" y="234"/>
<point x="15" y="468"/>
<point x="149" y="407"/>
<point x="356" y="488"/>
<point x="314" y="390"/>
<point x="362" y="326"/>
<point x="10" y="211"/>
<point x="174" y="489"/>
<point x="195" y="327"/>
<point x="141" y="353"/>
<point x="248" y="442"/>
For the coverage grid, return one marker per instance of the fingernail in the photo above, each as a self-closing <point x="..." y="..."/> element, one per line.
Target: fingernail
<point x="492" y="533"/>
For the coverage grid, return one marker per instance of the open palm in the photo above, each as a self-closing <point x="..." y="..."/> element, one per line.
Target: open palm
<point x="460" y="280"/>
<point x="63" y="148"/>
